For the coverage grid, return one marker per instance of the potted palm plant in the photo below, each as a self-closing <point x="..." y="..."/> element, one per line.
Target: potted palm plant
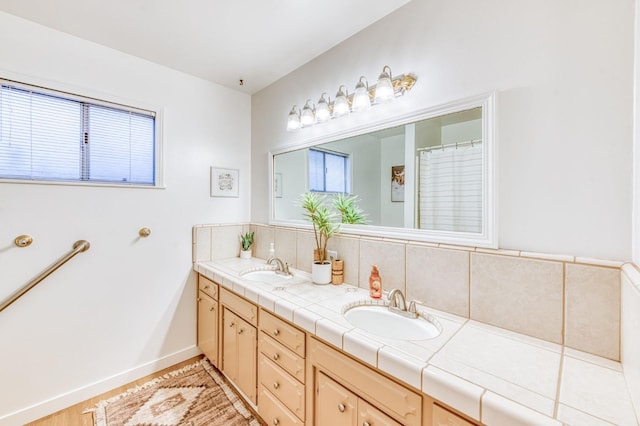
<point x="326" y="223"/>
<point x="325" y="226"/>
<point x="246" y="241"/>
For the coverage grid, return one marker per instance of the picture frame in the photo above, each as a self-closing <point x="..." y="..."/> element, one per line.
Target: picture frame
<point x="397" y="184"/>
<point x="224" y="182"/>
<point x="277" y="185"/>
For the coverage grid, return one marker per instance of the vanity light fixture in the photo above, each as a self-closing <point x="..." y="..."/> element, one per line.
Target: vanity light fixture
<point x="384" y="90"/>
<point x="323" y="111"/>
<point x="341" y="103"/>
<point x="293" y="123"/>
<point x="364" y="97"/>
<point x="361" y="99"/>
<point x="308" y="116"/>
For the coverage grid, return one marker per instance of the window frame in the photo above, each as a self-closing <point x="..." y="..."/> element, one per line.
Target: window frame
<point x="79" y="94"/>
<point x="346" y="171"/>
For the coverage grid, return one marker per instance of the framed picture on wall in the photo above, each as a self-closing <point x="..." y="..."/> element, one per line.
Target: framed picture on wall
<point x="397" y="183"/>
<point x="224" y="182"/>
<point x="277" y="185"/>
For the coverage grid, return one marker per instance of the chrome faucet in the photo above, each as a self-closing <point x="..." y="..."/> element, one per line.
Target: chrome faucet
<point x="282" y="268"/>
<point x="398" y="304"/>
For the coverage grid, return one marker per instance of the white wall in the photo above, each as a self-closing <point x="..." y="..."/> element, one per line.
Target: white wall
<point x="127" y="306"/>
<point x="563" y="72"/>
<point x="392" y="149"/>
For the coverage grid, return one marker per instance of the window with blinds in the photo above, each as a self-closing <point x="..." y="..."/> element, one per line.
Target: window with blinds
<point x="328" y="171"/>
<point x="47" y="135"/>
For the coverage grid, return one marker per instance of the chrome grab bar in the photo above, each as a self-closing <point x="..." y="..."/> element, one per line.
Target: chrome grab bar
<point x="78" y="247"/>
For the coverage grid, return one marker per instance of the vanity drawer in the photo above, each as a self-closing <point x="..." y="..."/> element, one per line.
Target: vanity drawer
<point x="283" y="332"/>
<point x="245" y="309"/>
<point x="287" y="389"/>
<point x="273" y="412"/>
<point x="281" y="356"/>
<point x="442" y="417"/>
<point x="208" y="287"/>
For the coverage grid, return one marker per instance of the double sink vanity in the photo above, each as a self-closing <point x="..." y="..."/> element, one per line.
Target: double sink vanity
<point x="301" y="353"/>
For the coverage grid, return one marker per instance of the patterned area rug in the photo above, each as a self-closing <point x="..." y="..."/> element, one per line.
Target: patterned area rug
<point x="196" y="395"/>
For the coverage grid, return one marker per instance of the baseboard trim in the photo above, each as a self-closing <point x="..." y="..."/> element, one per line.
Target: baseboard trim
<point x="67" y="399"/>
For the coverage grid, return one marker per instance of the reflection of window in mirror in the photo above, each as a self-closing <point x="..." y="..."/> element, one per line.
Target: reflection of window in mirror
<point x="328" y="171"/>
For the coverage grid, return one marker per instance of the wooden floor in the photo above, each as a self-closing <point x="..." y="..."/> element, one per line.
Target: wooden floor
<point x="72" y="416"/>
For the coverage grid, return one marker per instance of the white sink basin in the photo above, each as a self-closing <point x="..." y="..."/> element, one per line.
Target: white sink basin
<point x="380" y="321"/>
<point x="268" y="277"/>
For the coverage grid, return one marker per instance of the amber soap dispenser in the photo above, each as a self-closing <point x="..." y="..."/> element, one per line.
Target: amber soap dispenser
<point x="375" y="283"/>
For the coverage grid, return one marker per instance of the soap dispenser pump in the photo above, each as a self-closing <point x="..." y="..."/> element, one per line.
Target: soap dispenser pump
<point x="375" y="283"/>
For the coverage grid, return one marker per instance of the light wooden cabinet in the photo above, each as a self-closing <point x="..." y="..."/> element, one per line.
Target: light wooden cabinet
<point x="239" y="343"/>
<point x="208" y="318"/>
<point x="347" y="389"/>
<point x="281" y="371"/>
<point x="443" y="417"/>
<point x="338" y="406"/>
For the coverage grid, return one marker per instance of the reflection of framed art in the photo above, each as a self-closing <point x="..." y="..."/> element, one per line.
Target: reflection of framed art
<point x="224" y="182"/>
<point x="277" y="185"/>
<point x="397" y="183"/>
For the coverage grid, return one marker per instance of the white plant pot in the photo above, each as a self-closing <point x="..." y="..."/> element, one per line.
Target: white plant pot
<point x="245" y="254"/>
<point x="321" y="273"/>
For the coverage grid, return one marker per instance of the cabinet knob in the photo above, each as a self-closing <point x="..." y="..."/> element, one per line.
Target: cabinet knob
<point x="199" y="299"/>
<point x="276" y="332"/>
<point x="276" y="385"/>
<point x="212" y="308"/>
<point x="233" y="324"/>
<point x="276" y="357"/>
<point x="206" y="286"/>
<point x="276" y="422"/>
<point x="341" y="407"/>
<point x="241" y="331"/>
<point x="366" y="424"/>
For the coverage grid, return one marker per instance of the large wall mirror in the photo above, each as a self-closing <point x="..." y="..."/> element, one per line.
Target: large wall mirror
<point x="428" y="176"/>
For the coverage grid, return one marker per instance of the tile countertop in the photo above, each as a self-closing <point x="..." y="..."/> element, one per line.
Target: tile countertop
<point x="495" y="376"/>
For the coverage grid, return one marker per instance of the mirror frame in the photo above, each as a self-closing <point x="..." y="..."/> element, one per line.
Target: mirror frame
<point x="487" y="238"/>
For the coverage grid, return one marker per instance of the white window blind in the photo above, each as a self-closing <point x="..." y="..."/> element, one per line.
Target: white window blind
<point x="54" y="136"/>
<point x="328" y="171"/>
<point x="450" y="186"/>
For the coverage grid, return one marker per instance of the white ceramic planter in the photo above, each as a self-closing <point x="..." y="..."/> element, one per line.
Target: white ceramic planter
<point x="245" y="254"/>
<point x="321" y="273"/>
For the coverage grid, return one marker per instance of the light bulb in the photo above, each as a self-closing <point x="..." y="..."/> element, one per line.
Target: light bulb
<point x="341" y="104"/>
<point x="361" y="101"/>
<point x="308" y="117"/>
<point x="322" y="109"/>
<point x="384" y="88"/>
<point x="293" y="123"/>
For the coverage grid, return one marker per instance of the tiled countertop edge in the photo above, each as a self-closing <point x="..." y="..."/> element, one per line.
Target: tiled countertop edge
<point x="479" y="403"/>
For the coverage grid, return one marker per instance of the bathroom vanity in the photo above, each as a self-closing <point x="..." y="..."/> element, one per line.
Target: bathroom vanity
<point x="287" y="346"/>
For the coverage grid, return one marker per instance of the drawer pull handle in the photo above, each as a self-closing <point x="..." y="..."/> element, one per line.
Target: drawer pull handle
<point x="276" y="357"/>
<point x="276" y="385"/>
<point x="341" y="407"/>
<point x="276" y="332"/>
<point x="276" y="422"/>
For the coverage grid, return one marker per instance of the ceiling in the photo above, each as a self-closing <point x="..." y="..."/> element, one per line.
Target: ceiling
<point x="258" y="41"/>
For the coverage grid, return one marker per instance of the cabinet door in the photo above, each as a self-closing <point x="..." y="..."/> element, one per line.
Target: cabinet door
<point x="230" y="344"/>
<point x="208" y="327"/>
<point x="247" y="359"/>
<point x="368" y="415"/>
<point x="335" y="405"/>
